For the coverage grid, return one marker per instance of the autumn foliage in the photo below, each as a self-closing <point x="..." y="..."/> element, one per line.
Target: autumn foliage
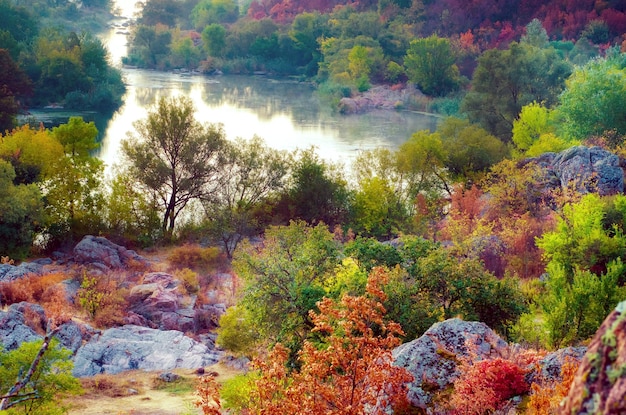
<point x="484" y="385"/>
<point x="348" y="371"/>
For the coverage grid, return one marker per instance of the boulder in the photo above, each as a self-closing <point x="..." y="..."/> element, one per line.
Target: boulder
<point x="433" y="358"/>
<point x="600" y="383"/>
<point x="587" y="169"/>
<point x="104" y="254"/>
<point x="10" y="272"/>
<point x="134" y="347"/>
<point x="13" y="329"/>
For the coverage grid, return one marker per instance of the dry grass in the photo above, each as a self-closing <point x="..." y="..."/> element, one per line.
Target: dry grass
<point x="111" y="394"/>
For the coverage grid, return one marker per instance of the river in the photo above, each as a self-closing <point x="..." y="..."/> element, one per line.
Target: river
<point x="288" y="115"/>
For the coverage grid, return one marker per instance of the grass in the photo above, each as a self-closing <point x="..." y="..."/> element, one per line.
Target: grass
<point x="141" y="393"/>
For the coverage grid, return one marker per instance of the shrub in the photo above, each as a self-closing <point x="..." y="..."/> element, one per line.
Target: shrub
<point x="103" y="300"/>
<point x="546" y="397"/>
<point x="29" y="288"/>
<point x="484" y="385"/>
<point x="194" y="257"/>
<point x="188" y="279"/>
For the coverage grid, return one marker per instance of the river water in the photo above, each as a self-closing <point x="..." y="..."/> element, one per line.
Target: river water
<point x="288" y="115"/>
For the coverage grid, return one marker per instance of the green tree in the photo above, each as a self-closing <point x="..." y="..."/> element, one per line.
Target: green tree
<point x="214" y="40"/>
<point x="318" y="192"/>
<point x="429" y="63"/>
<point x="174" y="157"/>
<point x="506" y="80"/>
<point x="285" y="278"/>
<point x="583" y="240"/>
<point x="470" y="149"/>
<point x="376" y="209"/>
<point x="251" y="176"/>
<point x="208" y="12"/>
<point x="21" y="214"/>
<point x="594" y="101"/>
<point x="14" y="86"/>
<point x="74" y="193"/>
<point x="131" y="214"/>
<point x="305" y="31"/>
<point x="535" y="35"/>
<point x="35" y="377"/>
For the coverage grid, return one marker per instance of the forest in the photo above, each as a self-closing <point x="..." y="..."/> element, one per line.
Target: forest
<point x="338" y="265"/>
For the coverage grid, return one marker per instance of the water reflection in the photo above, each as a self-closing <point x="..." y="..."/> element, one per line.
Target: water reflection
<point x="287" y="115"/>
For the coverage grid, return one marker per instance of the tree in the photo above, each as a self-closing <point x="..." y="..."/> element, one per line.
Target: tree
<point x="35" y="377"/>
<point x="14" y="85"/>
<point x="349" y="372"/>
<point x="318" y="192"/>
<point x="506" y="80"/>
<point x="470" y="149"/>
<point x="73" y="193"/>
<point x="208" y="12"/>
<point x="21" y="214"/>
<point x="251" y="174"/>
<point x="430" y="64"/>
<point x="594" y="101"/>
<point x="284" y="278"/>
<point x="214" y="39"/>
<point x="535" y="34"/>
<point x="174" y="157"/>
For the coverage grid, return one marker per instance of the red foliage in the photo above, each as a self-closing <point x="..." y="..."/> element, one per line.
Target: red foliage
<point x="485" y="385"/>
<point x="349" y="373"/>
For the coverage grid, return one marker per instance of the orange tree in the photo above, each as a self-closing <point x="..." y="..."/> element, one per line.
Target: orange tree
<point x="347" y="371"/>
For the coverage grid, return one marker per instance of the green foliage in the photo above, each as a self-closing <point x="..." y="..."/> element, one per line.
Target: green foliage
<point x="74" y="193"/>
<point x="174" y="158"/>
<point x="208" y="12"/>
<point x="89" y="296"/>
<point x="50" y="383"/>
<point x="594" y="100"/>
<point x="582" y="239"/>
<point x="535" y="34"/>
<point x="470" y="149"/>
<point x="284" y="279"/>
<point x="214" y="39"/>
<point x="350" y="60"/>
<point x="237" y="391"/>
<point x="430" y="64"/>
<point x="371" y="253"/>
<point x="348" y="278"/>
<point x="251" y="177"/>
<point x="505" y="81"/>
<point x="237" y="331"/>
<point x="376" y="209"/>
<point x="21" y="214"/>
<point x="15" y="87"/>
<point x="130" y="214"/>
<point x="318" y="192"/>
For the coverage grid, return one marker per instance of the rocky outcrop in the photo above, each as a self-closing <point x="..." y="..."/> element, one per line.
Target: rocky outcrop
<point x="160" y="303"/>
<point x="586" y="169"/>
<point x="381" y="97"/>
<point x="134" y="347"/>
<point x="600" y="383"/>
<point x="24" y="322"/>
<point x="10" y="272"/>
<point x="433" y="358"/>
<point x="101" y="253"/>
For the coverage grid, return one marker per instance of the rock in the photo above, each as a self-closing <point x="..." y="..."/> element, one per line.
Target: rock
<point x="600" y="383"/>
<point x="168" y="377"/>
<point x="134" y="347"/>
<point x="587" y="169"/>
<point x="13" y="329"/>
<point x="10" y="272"/>
<point x="98" y="252"/>
<point x="433" y="358"/>
<point x="552" y="363"/>
<point x="71" y="335"/>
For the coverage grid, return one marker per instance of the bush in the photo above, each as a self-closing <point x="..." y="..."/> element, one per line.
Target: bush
<point x="188" y="279"/>
<point x="484" y="385"/>
<point x="194" y="257"/>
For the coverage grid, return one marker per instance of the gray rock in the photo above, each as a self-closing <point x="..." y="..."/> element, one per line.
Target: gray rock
<point x="134" y="347"/>
<point x="100" y="252"/>
<point x="433" y="358"/>
<point x="552" y="363"/>
<point x="587" y="169"/>
<point x="14" y="331"/>
<point x="13" y="272"/>
<point x="168" y="377"/>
